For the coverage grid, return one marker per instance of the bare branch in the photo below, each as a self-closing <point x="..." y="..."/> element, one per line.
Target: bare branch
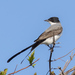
<point x="72" y="69"/>
<point x="64" y="55"/>
<point x="15" y="67"/>
<point x="51" y="53"/>
<point x="62" y="72"/>
<point x="66" y="65"/>
<point x="24" y="68"/>
<point x="68" y="62"/>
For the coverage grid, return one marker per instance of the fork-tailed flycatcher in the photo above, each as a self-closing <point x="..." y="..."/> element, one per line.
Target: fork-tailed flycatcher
<point x="46" y="37"/>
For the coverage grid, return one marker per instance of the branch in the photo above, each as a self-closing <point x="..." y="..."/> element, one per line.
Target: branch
<point x="66" y="65"/>
<point x="72" y="69"/>
<point x="24" y="68"/>
<point x="64" y="55"/>
<point x="51" y="53"/>
<point x="62" y="72"/>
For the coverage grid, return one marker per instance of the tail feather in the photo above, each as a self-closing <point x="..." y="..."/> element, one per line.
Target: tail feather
<point x="33" y="47"/>
<point x="36" y="44"/>
<point x="18" y="54"/>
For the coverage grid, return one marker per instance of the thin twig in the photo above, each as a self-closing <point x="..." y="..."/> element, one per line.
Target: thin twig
<point x="50" y="62"/>
<point x="24" y="68"/>
<point x="15" y="67"/>
<point x="51" y="53"/>
<point x="66" y="65"/>
<point x="47" y="72"/>
<point x="72" y="69"/>
<point x="68" y="62"/>
<point x="64" y="55"/>
<point x="61" y="70"/>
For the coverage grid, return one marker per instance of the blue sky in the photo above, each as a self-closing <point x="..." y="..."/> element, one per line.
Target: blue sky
<point x="22" y="21"/>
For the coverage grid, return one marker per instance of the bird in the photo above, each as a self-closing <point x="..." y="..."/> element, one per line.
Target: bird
<point x="55" y="30"/>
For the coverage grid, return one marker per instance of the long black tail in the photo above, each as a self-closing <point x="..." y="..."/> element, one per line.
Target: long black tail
<point x="33" y="46"/>
<point x="18" y="54"/>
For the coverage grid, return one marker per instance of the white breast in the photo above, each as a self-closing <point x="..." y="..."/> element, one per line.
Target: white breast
<point x="50" y="40"/>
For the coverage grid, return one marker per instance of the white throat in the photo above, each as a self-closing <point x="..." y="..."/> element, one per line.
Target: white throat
<point x="52" y="23"/>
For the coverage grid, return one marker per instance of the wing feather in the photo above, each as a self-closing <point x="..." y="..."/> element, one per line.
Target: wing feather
<point x="49" y="33"/>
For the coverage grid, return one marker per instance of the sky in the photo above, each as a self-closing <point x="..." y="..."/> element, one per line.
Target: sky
<point x="22" y="21"/>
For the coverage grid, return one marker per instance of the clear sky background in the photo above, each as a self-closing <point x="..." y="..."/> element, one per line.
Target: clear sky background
<point x="22" y="21"/>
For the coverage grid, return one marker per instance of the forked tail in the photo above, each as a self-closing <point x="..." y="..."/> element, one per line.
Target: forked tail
<point x="33" y="47"/>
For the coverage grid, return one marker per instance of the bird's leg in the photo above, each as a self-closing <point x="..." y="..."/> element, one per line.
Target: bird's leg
<point x="50" y="46"/>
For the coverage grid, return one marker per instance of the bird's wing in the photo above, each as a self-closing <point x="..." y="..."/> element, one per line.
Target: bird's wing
<point x="50" y="32"/>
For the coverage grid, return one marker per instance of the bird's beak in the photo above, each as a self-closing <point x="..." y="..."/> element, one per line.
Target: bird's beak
<point x="46" y="20"/>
